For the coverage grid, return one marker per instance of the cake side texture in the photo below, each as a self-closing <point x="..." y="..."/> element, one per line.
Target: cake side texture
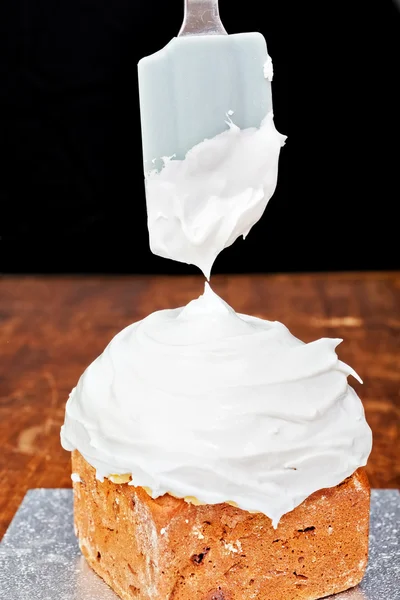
<point x="169" y="549"/>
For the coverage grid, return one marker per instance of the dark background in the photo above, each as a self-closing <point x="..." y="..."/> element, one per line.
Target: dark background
<point x="71" y="181"/>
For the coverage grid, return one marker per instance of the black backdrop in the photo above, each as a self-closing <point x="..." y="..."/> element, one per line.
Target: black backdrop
<point x="71" y="183"/>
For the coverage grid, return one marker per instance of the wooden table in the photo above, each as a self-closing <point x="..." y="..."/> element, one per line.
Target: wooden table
<point x="51" y="328"/>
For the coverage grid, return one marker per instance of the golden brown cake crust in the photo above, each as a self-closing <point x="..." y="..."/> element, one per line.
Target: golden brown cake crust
<point x="167" y="549"/>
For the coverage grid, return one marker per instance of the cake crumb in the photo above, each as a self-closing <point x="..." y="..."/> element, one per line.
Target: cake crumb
<point x="361" y="564"/>
<point x="357" y="485"/>
<point x="196" y="531"/>
<point x="230" y="547"/>
<point x="234" y="548"/>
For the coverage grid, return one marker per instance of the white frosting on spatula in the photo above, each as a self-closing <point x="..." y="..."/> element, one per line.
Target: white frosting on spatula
<point x="200" y="205"/>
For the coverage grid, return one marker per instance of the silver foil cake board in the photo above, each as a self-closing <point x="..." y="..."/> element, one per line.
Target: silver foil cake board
<point x="40" y="557"/>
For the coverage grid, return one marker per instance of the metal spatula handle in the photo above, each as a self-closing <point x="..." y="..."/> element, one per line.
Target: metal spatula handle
<point x="202" y="18"/>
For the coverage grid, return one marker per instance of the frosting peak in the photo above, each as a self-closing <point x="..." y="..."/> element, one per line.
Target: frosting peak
<point x="202" y="401"/>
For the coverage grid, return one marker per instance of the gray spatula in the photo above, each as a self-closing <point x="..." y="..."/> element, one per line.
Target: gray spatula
<point x="188" y="88"/>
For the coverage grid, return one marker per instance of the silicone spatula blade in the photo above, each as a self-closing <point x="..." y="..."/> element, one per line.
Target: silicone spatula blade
<point x="188" y="88"/>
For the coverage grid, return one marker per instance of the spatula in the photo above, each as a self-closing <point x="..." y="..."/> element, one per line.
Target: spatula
<point x="188" y="88"/>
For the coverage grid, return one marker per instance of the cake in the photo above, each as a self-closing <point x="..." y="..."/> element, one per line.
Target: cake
<point x="167" y="548"/>
<point x="217" y="457"/>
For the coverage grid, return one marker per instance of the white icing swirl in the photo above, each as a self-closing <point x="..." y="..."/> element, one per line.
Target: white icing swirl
<point x="201" y="401"/>
<point x="198" y="206"/>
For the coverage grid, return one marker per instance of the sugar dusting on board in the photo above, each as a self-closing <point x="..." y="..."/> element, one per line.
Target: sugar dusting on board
<point x="200" y="205"/>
